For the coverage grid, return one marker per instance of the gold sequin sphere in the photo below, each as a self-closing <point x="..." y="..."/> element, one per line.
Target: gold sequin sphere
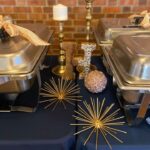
<point x="99" y="120"/>
<point x="61" y="91"/>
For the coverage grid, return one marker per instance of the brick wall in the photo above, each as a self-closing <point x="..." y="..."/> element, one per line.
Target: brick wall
<point x="41" y="11"/>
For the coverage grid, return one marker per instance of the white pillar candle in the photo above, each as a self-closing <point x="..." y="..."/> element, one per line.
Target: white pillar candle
<point x="60" y="12"/>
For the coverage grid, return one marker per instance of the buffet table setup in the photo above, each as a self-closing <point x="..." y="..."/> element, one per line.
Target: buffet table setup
<point x="69" y="102"/>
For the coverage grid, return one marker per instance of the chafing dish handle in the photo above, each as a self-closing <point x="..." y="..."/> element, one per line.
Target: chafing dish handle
<point x="144" y="106"/>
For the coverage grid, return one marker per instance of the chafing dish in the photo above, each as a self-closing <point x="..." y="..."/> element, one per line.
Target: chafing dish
<point x="129" y="61"/>
<point x="124" y="64"/>
<point x="107" y="29"/>
<point x="20" y="60"/>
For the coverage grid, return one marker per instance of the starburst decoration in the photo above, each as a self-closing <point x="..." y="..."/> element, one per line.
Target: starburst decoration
<point x="99" y="120"/>
<point x="61" y="91"/>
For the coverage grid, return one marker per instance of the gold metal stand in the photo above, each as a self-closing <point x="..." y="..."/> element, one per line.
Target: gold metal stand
<point x="60" y="69"/>
<point x="88" y="18"/>
<point x="84" y="66"/>
<point x="69" y="48"/>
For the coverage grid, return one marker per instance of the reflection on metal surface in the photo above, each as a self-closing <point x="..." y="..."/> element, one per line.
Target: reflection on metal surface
<point x="22" y="109"/>
<point x="99" y="120"/>
<point x="131" y="96"/>
<point x="16" y="86"/>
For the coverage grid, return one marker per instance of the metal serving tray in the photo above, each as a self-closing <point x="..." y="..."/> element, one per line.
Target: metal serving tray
<point x="108" y="29"/>
<point x="131" y="55"/>
<point x="20" y="60"/>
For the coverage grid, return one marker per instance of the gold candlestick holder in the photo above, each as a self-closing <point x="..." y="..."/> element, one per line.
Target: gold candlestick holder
<point x="60" y="69"/>
<point x="69" y="48"/>
<point x="84" y="65"/>
<point x="88" y="18"/>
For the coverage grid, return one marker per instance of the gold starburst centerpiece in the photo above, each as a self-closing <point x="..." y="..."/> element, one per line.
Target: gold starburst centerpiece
<point x="60" y="91"/>
<point x="99" y="120"/>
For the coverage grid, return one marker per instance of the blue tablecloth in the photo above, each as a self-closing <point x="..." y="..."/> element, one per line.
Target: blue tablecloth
<point x="47" y="130"/>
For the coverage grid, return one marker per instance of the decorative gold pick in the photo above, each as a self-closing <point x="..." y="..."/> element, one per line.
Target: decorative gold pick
<point x="99" y="120"/>
<point x="60" y="92"/>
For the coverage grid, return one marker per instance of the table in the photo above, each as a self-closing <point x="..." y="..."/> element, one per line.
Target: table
<point x="47" y="130"/>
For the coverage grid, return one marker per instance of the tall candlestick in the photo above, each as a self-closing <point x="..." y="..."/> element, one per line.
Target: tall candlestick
<point x="69" y="47"/>
<point x="87" y="46"/>
<point x="60" y="13"/>
<point x="88" y="18"/>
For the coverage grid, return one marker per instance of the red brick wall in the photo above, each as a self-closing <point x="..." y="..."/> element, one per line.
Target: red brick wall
<point x="41" y="11"/>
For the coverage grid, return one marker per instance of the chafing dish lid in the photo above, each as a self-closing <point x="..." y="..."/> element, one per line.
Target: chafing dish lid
<point x="109" y="28"/>
<point x="114" y="22"/>
<point x="135" y="45"/>
<point x="117" y="77"/>
<point x="142" y="44"/>
<point x="18" y="56"/>
<point x="131" y="55"/>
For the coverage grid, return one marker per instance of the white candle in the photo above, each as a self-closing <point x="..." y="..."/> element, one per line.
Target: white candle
<point x="60" y="12"/>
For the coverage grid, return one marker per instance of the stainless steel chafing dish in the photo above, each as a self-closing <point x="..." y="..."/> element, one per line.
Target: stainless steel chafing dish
<point x="20" y="60"/>
<point x="129" y="61"/>
<point x="107" y="29"/>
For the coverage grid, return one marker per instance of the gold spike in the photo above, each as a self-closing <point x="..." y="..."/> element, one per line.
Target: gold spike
<point x="62" y="91"/>
<point x="96" y="117"/>
<point x="89" y="136"/>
